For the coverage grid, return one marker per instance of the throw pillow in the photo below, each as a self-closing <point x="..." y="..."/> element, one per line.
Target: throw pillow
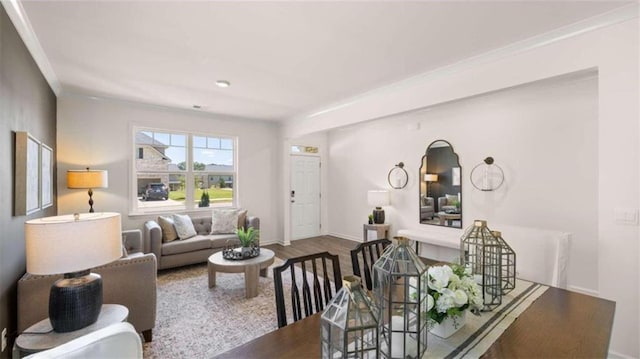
<point x="242" y="218"/>
<point x="451" y="199"/>
<point x="224" y="220"/>
<point x="168" y="229"/>
<point x="184" y="226"/>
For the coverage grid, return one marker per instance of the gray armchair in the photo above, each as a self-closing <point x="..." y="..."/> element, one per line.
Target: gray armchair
<point x="427" y="209"/>
<point x="447" y="203"/>
<point x="129" y="281"/>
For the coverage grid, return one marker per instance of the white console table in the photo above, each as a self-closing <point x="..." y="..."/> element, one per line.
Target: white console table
<point x="541" y="255"/>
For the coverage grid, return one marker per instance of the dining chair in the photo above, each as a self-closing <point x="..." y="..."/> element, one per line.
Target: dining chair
<point x="315" y="277"/>
<point x="367" y="253"/>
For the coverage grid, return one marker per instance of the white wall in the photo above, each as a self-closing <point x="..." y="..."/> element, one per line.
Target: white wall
<point x="612" y="50"/>
<point x="97" y="133"/>
<point x="544" y="136"/>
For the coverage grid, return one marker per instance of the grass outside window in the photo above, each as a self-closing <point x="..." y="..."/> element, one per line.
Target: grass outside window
<point x="219" y="195"/>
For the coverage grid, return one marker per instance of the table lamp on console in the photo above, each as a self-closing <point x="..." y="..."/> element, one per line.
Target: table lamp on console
<point x="378" y="198"/>
<point x="72" y="245"/>
<point x="88" y="179"/>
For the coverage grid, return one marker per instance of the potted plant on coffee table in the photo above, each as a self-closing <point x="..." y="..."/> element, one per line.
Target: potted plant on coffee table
<point x="248" y="239"/>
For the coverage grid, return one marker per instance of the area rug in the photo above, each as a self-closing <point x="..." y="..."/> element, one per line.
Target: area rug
<point x="195" y="321"/>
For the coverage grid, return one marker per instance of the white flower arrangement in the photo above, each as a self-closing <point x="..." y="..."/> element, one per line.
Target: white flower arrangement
<point x="451" y="290"/>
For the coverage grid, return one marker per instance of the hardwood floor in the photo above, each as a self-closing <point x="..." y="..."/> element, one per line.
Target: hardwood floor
<point x="333" y="245"/>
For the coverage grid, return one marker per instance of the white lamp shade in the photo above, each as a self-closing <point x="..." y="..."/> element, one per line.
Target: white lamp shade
<point x="87" y="179"/>
<point x="62" y="244"/>
<point x="430" y="177"/>
<point x="378" y="198"/>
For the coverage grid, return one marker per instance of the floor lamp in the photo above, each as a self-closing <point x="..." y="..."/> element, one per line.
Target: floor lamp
<point x="428" y="178"/>
<point x="87" y="179"/>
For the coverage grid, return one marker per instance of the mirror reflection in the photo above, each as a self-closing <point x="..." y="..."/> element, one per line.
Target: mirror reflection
<point x="440" y="186"/>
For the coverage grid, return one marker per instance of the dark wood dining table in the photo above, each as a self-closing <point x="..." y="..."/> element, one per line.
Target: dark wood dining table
<point x="559" y="324"/>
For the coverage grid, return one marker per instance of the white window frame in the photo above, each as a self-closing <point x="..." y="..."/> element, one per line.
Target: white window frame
<point x="190" y="205"/>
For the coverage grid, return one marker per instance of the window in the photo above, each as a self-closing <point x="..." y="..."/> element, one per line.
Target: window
<point x="183" y="171"/>
<point x="304" y="149"/>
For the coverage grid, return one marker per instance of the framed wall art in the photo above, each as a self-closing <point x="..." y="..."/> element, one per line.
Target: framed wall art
<point x="27" y="177"/>
<point x="33" y="182"/>
<point x="46" y="176"/>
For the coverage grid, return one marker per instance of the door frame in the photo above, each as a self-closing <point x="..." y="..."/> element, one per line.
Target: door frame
<point x="319" y="141"/>
<point x="289" y="227"/>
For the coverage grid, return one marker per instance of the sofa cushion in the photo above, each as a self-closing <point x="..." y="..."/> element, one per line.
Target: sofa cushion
<point x="223" y="240"/>
<point x="192" y="244"/>
<point x="451" y="199"/>
<point x="168" y="229"/>
<point x="184" y="226"/>
<point x="224" y="220"/>
<point x="202" y="224"/>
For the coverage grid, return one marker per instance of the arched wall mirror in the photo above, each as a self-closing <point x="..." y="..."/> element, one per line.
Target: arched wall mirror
<point x="440" y="186"/>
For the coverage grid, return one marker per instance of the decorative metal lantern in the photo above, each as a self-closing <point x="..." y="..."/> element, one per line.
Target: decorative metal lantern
<point x="508" y="263"/>
<point x="349" y="324"/>
<point x="482" y="252"/>
<point x="400" y="293"/>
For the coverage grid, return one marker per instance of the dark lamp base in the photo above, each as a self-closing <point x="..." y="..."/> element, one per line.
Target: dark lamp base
<point x="75" y="302"/>
<point x="378" y="215"/>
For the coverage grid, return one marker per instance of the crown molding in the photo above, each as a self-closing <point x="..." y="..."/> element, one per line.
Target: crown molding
<point x="612" y="17"/>
<point x="23" y="26"/>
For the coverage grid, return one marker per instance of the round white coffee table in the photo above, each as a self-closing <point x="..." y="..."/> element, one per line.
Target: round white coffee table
<point x="251" y="268"/>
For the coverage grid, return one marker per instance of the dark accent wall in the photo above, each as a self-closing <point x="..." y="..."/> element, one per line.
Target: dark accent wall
<point x="440" y="161"/>
<point x="27" y="103"/>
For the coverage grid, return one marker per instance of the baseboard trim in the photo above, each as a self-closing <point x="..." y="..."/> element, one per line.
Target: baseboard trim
<point x="616" y="355"/>
<point x="345" y="236"/>
<point x="582" y="290"/>
<point x="270" y="241"/>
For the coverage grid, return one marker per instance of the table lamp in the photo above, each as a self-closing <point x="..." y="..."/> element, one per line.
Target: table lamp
<point x="72" y="245"/>
<point x="378" y="198"/>
<point x="87" y="179"/>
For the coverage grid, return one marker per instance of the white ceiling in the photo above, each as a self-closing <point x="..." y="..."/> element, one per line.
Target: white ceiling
<point x="283" y="59"/>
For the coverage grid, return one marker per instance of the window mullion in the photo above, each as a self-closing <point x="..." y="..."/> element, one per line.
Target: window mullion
<point x="189" y="177"/>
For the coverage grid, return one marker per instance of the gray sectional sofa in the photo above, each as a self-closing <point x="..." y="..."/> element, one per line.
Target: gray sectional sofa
<point x="192" y="250"/>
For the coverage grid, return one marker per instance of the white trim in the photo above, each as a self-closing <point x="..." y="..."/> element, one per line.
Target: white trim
<point x="609" y="18"/>
<point x="345" y="236"/>
<point x="25" y="30"/>
<point x="583" y="290"/>
<point x="616" y="355"/>
<point x="136" y="211"/>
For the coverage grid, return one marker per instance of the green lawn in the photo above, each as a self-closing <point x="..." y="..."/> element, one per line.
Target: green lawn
<point x="215" y="194"/>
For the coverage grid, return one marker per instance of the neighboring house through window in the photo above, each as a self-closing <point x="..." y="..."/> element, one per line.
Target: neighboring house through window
<point x="182" y="171"/>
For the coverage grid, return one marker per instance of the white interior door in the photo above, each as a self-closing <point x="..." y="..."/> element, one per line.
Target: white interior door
<point x="305" y="196"/>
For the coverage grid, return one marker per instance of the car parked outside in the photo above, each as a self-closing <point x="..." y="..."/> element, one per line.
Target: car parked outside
<point x="155" y="191"/>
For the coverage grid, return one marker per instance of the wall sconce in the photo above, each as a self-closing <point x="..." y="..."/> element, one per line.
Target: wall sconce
<point x="398" y="176"/>
<point x="487" y="176"/>
<point x="88" y="179"/>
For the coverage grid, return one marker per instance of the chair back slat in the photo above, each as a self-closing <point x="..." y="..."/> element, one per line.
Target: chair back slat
<point x="317" y="291"/>
<point x="367" y="253"/>
<point x="295" y="297"/>
<point x="317" y="286"/>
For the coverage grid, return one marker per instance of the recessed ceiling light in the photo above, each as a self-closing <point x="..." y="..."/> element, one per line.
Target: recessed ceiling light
<point x="223" y="83"/>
